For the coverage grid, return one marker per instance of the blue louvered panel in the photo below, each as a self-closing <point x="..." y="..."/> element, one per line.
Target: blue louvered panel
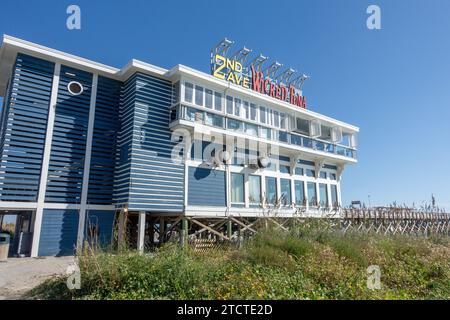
<point x="124" y="140"/>
<point x="101" y="176"/>
<point x="157" y="182"/>
<point x="99" y="226"/>
<point x="58" y="232"/>
<point x="65" y="174"/>
<point x="206" y="187"/>
<point x="24" y="127"/>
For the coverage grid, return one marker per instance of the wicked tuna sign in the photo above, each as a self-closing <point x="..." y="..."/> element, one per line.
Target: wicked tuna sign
<point x="232" y="71"/>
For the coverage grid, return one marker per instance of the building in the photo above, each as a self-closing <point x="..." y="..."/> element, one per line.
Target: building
<point x="84" y="145"/>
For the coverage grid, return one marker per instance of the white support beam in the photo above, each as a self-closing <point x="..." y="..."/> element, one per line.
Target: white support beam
<point x="45" y="162"/>
<point x="87" y="163"/>
<point x="141" y="232"/>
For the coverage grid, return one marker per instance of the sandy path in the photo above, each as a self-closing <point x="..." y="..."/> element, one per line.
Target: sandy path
<point x="19" y="275"/>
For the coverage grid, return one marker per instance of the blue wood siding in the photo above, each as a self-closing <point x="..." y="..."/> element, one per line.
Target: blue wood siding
<point x="23" y="130"/>
<point x="65" y="174"/>
<point x="58" y="232"/>
<point x="106" y="123"/>
<point x="206" y="187"/>
<point x="147" y="178"/>
<point x="103" y="222"/>
<point x="124" y="140"/>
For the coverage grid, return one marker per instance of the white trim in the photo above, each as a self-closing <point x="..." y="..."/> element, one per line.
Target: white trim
<point x="207" y="211"/>
<point x="45" y="162"/>
<point x="87" y="162"/>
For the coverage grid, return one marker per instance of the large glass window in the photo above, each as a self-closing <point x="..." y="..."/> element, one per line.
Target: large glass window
<point x="253" y="111"/>
<point x="229" y="105"/>
<point x="208" y="98"/>
<point x="276" y="118"/>
<point x="254" y="187"/>
<point x="188" y="91"/>
<point x="199" y="95"/>
<point x="285" y="169"/>
<point x="310" y="173"/>
<point x="299" y="193"/>
<point x="323" y="195"/>
<point x="237" y="188"/>
<point x="282" y="121"/>
<point x="323" y="174"/>
<point x="251" y="129"/>
<point x="312" y="195"/>
<point x="285" y="186"/>
<point x="334" y="196"/>
<point x="266" y="133"/>
<point x="271" y="190"/>
<point x="246" y="111"/>
<point x="218" y="101"/>
<point x="237" y="107"/>
<point x="298" y="171"/>
<point x="214" y="120"/>
<point x="262" y="114"/>
<point x="235" y="125"/>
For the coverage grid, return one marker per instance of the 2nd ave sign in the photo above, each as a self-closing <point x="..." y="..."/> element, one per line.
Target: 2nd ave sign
<point x="232" y="71"/>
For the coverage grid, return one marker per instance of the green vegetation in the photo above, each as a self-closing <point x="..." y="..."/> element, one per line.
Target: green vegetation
<point x="304" y="264"/>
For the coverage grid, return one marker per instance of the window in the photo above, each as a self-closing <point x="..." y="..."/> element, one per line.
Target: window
<point x="254" y="187"/>
<point x="229" y="105"/>
<point x="213" y="120"/>
<point x="285" y="169"/>
<point x="323" y="174"/>
<point x="246" y="114"/>
<point x="298" y="171"/>
<point x="334" y="197"/>
<point x="285" y="186"/>
<point x="283" y="136"/>
<point x="218" y="101"/>
<point x="266" y="133"/>
<point x="190" y="114"/>
<point x="310" y="173"/>
<point x="271" y="190"/>
<point x="276" y="119"/>
<point x="199" y="95"/>
<point x="312" y="196"/>
<point x="282" y="121"/>
<point x="75" y="88"/>
<point x="251" y="129"/>
<point x="253" y="111"/>
<point x="323" y="195"/>
<point x="237" y="107"/>
<point x="333" y="176"/>
<point x="299" y="193"/>
<point x="188" y="91"/>
<point x="237" y="188"/>
<point x="208" y="98"/>
<point x="234" y="125"/>
<point x="262" y="114"/>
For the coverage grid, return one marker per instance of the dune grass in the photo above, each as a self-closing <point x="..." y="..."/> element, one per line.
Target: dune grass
<point x="303" y="264"/>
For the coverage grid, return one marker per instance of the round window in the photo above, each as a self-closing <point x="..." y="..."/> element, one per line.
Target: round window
<point x="75" y="88"/>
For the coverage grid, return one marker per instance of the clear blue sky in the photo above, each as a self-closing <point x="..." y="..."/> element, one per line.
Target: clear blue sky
<point x="393" y="83"/>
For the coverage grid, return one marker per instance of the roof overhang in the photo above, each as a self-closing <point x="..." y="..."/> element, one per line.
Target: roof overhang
<point x="11" y="46"/>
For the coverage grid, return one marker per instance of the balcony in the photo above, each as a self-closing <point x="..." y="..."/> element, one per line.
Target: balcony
<point x="232" y="123"/>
